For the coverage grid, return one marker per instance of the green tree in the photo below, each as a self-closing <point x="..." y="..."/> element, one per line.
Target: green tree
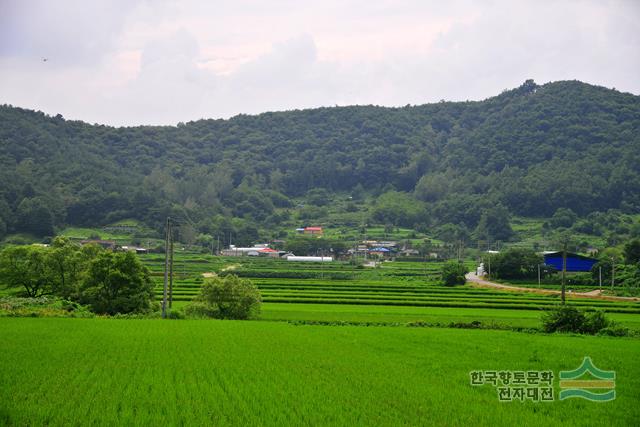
<point x="453" y="273"/>
<point x="117" y="282"/>
<point x="516" y="263"/>
<point x="227" y="298"/>
<point x="68" y="264"/>
<point x="494" y="224"/>
<point x="318" y="197"/>
<point x="563" y="217"/>
<point x="27" y="267"/>
<point x="35" y="217"/>
<point x="632" y="252"/>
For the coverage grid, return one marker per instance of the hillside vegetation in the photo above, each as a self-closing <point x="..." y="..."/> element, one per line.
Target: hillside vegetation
<point x="468" y="165"/>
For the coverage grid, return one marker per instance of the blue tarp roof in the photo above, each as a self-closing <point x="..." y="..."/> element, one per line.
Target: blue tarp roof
<point x="379" y="250"/>
<point x="575" y="262"/>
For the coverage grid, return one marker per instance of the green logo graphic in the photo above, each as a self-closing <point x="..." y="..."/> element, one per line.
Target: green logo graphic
<point x="572" y="386"/>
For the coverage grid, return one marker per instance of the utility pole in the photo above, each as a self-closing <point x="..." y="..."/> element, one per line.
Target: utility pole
<point x="613" y="273"/>
<point x="600" y="278"/>
<point x="167" y="230"/>
<point x="564" y="268"/>
<point x="365" y="244"/>
<point x="425" y="267"/>
<point x="170" y="265"/>
<point x="539" y="282"/>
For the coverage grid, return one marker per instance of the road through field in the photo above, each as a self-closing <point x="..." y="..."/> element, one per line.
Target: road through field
<point x="476" y="280"/>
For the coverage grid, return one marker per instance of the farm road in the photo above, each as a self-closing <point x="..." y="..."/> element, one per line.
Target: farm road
<point x="477" y="281"/>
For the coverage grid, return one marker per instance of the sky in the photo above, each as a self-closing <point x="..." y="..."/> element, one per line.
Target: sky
<point x="133" y="62"/>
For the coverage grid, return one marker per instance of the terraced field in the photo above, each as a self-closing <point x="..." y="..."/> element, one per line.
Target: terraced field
<point x="392" y="284"/>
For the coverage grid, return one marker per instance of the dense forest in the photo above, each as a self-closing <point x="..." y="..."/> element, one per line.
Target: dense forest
<point x="564" y="148"/>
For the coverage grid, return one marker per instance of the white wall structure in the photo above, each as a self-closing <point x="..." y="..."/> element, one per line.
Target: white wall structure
<point x="310" y="258"/>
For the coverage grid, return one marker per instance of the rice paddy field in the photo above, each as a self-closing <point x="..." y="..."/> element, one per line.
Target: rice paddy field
<point x="336" y="344"/>
<point x="65" y="372"/>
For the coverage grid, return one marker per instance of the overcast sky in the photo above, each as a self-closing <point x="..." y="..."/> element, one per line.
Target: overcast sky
<point x="128" y="62"/>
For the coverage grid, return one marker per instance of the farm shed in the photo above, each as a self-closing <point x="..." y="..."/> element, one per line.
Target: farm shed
<point x="575" y="262"/>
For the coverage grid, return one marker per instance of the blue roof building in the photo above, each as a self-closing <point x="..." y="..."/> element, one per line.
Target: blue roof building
<point x="575" y="262"/>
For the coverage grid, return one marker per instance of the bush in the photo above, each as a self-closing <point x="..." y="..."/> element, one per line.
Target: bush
<point x="567" y="318"/>
<point x="226" y="298"/>
<point x="453" y="273"/>
<point x="563" y="319"/>
<point x="594" y="322"/>
<point x="45" y="306"/>
<point x="614" y="331"/>
<point x="199" y="310"/>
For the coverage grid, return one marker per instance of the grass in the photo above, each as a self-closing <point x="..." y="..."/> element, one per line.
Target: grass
<point x="151" y="372"/>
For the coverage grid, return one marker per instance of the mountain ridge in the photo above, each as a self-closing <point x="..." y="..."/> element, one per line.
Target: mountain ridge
<point x="532" y="149"/>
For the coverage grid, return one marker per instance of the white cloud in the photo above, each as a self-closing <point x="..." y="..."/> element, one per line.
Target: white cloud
<point x="163" y="62"/>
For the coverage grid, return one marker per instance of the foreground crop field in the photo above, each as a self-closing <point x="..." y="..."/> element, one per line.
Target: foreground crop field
<point x="153" y="372"/>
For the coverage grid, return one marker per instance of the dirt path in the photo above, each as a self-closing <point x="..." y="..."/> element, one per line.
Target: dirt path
<point x="477" y="281"/>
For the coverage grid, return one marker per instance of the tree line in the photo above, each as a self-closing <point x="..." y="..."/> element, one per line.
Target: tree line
<point x="106" y="281"/>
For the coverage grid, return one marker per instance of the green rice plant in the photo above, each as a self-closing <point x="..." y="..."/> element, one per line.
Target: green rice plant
<point x="184" y="372"/>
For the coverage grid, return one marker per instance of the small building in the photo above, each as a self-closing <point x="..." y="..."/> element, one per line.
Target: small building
<point x="314" y="231"/>
<point x="135" y="249"/>
<point x="268" y="252"/>
<point x="575" y="262"/>
<point x="409" y="252"/>
<point x="380" y="251"/>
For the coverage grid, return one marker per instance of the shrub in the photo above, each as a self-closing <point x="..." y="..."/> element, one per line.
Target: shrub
<point x="563" y="319"/>
<point x="567" y="318"/>
<point x="614" y="331"/>
<point x="226" y="298"/>
<point x="594" y="322"/>
<point x="45" y="306"/>
<point x="453" y="273"/>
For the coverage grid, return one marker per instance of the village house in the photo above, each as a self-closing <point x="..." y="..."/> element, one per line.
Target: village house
<point x="313" y="231"/>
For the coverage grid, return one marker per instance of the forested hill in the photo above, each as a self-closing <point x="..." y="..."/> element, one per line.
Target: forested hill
<point x="532" y="149"/>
